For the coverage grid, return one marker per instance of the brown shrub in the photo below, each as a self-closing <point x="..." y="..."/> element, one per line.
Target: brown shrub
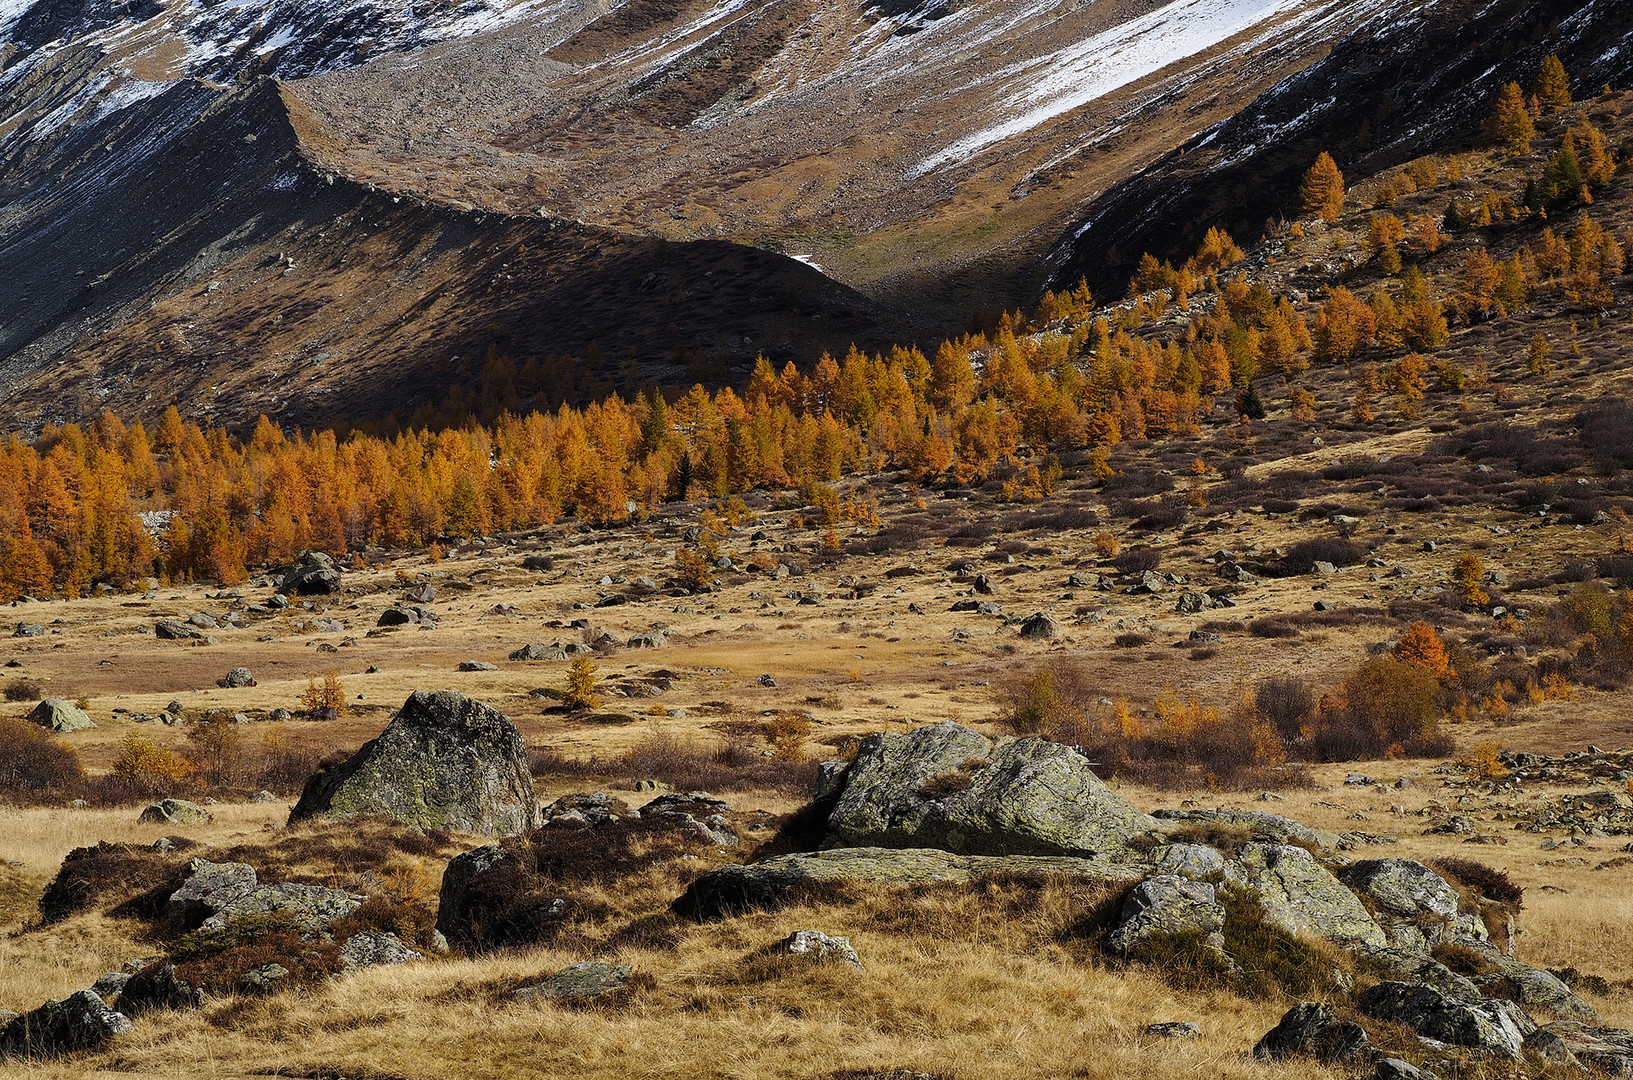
<point x="126" y="878"/>
<point x="34" y="767"/>
<point x="24" y="690"/>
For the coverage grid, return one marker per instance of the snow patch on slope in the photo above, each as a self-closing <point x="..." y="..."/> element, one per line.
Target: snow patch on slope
<point x="1107" y="62"/>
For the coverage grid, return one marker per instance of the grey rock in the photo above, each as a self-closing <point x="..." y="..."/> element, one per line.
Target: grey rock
<point x="1415" y="905"/>
<point x="111" y="983"/>
<point x="445" y="761"/>
<point x="816" y="945"/>
<point x="1023" y="797"/>
<point x="1173" y="1029"/>
<point x="203" y="621"/>
<point x="1312" y="1029"/>
<point x="477" y="665"/>
<point x="653" y="639"/>
<point x="28" y="630"/>
<point x="578" y="984"/>
<point x="175" y="812"/>
<point x="1195" y="861"/>
<point x="171" y="630"/>
<point x="1302" y="897"/>
<point x="1040" y="627"/>
<point x="313" y="574"/>
<point x="1193" y="602"/>
<point x="421" y="594"/>
<point x="1527" y="985"/>
<point x="374" y="948"/>
<point x="1391" y="1068"/>
<point x="60" y="716"/>
<point x="1489" y="1026"/>
<point x="79" y="1022"/>
<point x="775" y="882"/>
<point x="453" y="910"/>
<point x="398" y="616"/>
<point x="235" y="679"/>
<point x="157" y="986"/>
<point x="1168" y="904"/>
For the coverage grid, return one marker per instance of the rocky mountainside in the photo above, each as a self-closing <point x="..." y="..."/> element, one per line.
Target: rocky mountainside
<point x="336" y="210"/>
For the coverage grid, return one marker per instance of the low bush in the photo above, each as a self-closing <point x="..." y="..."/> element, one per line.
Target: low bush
<point x="24" y="690"/>
<point x="112" y="876"/>
<point x="216" y="960"/>
<point x="1302" y="556"/>
<point x="1137" y="560"/>
<point x="34" y="767"/>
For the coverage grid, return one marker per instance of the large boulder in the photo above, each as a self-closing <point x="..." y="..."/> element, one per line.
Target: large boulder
<point x="444" y="762"/>
<point x="60" y="716"/>
<point x="1302" y="897"/>
<point x="945" y="786"/>
<point x="79" y="1022"/>
<point x="1312" y="1029"/>
<point x="172" y="630"/>
<point x="216" y="893"/>
<point x="1486" y="1025"/>
<point x="1169" y="905"/>
<point x="313" y="574"/>
<point x="784" y="879"/>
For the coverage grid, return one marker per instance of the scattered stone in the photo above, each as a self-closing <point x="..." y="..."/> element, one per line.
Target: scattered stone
<point x="175" y="812"/>
<point x="445" y="761"/>
<point x="652" y="639"/>
<point x="1312" y="1029"/>
<point x="819" y="946"/>
<point x="579" y="984"/>
<point x="236" y="679"/>
<point x="28" y="630"/>
<point x="111" y="983"/>
<point x="313" y="574"/>
<point x="157" y="986"/>
<point x="1390" y="1068"/>
<point x="477" y="665"/>
<point x="266" y="977"/>
<point x="60" y="716"/>
<point x="421" y="594"/>
<point x="1190" y="603"/>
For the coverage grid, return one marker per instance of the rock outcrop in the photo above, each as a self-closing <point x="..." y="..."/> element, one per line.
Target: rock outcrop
<point x="1312" y="1029"/>
<point x="216" y="893"/>
<point x="1170" y="905"/>
<point x="79" y="1022"/>
<point x="945" y="786"/>
<point x="783" y="879"/>
<point x="444" y="762"/>
<point x="1303" y="897"/>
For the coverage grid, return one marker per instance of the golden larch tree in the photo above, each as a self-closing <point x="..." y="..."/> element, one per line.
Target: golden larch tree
<point x="1322" y="192"/>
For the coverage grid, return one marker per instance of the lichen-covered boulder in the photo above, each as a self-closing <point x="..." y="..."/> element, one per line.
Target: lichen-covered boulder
<point x="60" y="716"/>
<point x="1312" y="1029"/>
<point x="945" y="786"/>
<point x="579" y="984"/>
<point x="1302" y="897"/>
<point x="815" y="945"/>
<point x="79" y="1022"/>
<point x="174" y="812"/>
<point x="1170" y="905"/>
<point x="375" y="948"/>
<point x="172" y="630"/>
<point x="444" y="762"/>
<point x="1416" y="906"/>
<point x="1486" y="1025"/>
<point x="1520" y="982"/>
<point x="784" y="879"/>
